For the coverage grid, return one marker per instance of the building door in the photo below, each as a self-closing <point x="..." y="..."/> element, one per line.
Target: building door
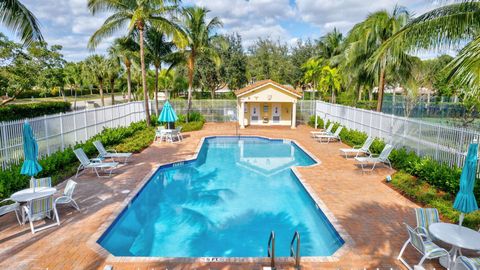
<point x="254" y="113"/>
<point x="276" y="112"/>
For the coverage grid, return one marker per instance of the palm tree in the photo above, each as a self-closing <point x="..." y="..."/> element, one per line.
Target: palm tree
<point x="16" y="17"/>
<point x="125" y="49"/>
<point x="330" y="81"/>
<point x="311" y="73"/>
<point x="73" y="78"/>
<point x="200" y="40"/>
<point x="158" y="51"/>
<point x="366" y="37"/>
<point x="331" y="46"/>
<point x="448" y="26"/>
<point x="97" y="67"/>
<point x="113" y="73"/>
<point x="139" y="15"/>
<point x="165" y="81"/>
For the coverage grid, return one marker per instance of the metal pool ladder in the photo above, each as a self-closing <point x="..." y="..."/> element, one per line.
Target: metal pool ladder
<point x="271" y="250"/>
<point x="295" y="253"/>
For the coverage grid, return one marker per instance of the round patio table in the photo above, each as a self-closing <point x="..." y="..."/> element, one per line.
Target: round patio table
<point x="27" y="195"/>
<point x="457" y="236"/>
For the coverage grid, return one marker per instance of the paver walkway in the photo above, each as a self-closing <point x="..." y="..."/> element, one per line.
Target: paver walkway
<point x="370" y="211"/>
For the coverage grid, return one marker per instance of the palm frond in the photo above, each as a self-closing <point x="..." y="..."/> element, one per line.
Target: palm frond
<point x="465" y="67"/>
<point x="15" y="16"/>
<point x="111" y="25"/>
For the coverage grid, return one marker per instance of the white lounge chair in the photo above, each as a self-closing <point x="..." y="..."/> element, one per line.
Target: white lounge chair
<point x="327" y="131"/>
<point x="179" y="133"/>
<point x="330" y="137"/>
<point x="13" y="207"/>
<point x="103" y="153"/>
<point x="358" y="149"/>
<point x="39" y="209"/>
<point x="427" y="248"/>
<point x="382" y="158"/>
<point x="93" y="164"/>
<point x="41" y="182"/>
<point x="67" y="197"/>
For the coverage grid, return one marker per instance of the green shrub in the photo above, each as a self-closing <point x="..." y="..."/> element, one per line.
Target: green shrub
<point x="191" y="126"/>
<point x="137" y="143"/>
<point x="192" y="117"/>
<point x="429" y="196"/>
<point x="11" y="112"/>
<point x="311" y="121"/>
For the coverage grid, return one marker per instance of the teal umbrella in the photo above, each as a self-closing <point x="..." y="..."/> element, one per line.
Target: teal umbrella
<point x="168" y="114"/>
<point x="30" y="166"/>
<point x="465" y="201"/>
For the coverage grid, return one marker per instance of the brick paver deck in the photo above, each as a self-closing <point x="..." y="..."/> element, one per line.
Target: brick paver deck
<point x="370" y="211"/>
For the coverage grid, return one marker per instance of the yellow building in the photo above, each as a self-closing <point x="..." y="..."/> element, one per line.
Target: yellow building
<point x="267" y="103"/>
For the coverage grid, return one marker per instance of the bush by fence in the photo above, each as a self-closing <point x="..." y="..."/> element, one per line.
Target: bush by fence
<point x="12" y="112"/>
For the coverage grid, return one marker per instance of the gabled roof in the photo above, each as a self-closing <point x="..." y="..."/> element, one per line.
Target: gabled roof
<point x="256" y="85"/>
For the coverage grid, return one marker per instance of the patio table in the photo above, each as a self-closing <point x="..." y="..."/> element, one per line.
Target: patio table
<point x="27" y="195"/>
<point x="457" y="236"/>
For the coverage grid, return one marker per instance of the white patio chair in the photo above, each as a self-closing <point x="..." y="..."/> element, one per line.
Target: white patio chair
<point x="467" y="263"/>
<point x="359" y="149"/>
<point x="13" y="207"/>
<point x="327" y="131"/>
<point x="330" y="137"/>
<point x="179" y="133"/>
<point x="41" y="182"/>
<point x="158" y="132"/>
<point x="427" y="248"/>
<point x="93" y="164"/>
<point x="39" y="209"/>
<point x="382" y="158"/>
<point x="67" y="197"/>
<point x="103" y="153"/>
<point x="426" y="217"/>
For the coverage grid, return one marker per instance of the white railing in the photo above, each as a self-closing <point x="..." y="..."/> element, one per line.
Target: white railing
<point x="442" y="143"/>
<point x="59" y="131"/>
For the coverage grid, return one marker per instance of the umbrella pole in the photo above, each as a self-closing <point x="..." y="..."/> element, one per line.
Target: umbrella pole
<point x="460" y="221"/>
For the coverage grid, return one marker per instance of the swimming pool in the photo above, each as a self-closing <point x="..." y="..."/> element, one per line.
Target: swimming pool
<point x="224" y="203"/>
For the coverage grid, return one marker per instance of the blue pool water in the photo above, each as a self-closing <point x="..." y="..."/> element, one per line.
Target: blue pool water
<point x="224" y="204"/>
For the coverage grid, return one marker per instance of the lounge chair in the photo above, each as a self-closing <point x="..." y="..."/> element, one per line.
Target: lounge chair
<point x="427" y="248"/>
<point x="103" y="153"/>
<point x="468" y="263"/>
<point x="358" y="149"/>
<point x="93" y="164"/>
<point x="382" y="158"/>
<point x="425" y="218"/>
<point x="41" y="182"/>
<point x="330" y="137"/>
<point x="39" y="209"/>
<point x="13" y="207"/>
<point x="67" y="197"/>
<point x="327" y="131"/>
<point x="179" y="133"/>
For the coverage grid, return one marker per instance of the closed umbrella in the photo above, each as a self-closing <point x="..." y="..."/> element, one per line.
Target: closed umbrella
<point x="168" y="114"/>
<point x="30" y="149"/>
<point x="465" y="201"/>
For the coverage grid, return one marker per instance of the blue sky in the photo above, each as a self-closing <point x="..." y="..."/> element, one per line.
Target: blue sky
<point x="68" y="22"/>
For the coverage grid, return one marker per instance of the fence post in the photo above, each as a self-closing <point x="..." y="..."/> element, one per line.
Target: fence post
<point x="75" y="127"/>
<point x="438" y="140"/>
<point x="46" y="134"/>
<point x="418" y="140"/>
<point x="61" y="131"/>
<point x="95" y="120"/>
<point x="5" y="147"/>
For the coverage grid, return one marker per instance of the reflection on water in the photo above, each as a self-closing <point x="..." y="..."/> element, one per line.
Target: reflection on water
<point x="224" y="205"/>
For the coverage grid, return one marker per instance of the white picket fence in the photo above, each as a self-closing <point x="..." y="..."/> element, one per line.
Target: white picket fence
<point x="442" y="143"/>
<point x="59" y="131"/>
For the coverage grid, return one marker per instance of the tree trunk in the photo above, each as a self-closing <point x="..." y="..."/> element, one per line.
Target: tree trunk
<point x="112" y="90"/>
<point x="129" y="81"/>
<point x="100" y="85"/>
<point x="75" y="101"/>
<point x="191" y="66"/>
<point x="156" y="90"/>
<point x="381" y="87"/>
<point x="359" y="92"/>
<point x="140" y="26"/>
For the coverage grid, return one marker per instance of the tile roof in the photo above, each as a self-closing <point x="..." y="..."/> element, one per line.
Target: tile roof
<point x="252" y="86"/>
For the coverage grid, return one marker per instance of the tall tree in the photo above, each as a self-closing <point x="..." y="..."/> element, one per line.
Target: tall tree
<point x="200" y="39"/>
<point x="158" y="50"/>
<point x="330" y="81"/>
<point x="97" y="66"/>
<point x="312" y="70"/>
<point x="125" y="49"/>
<point x="138" y="14"/>
<point x="16" y="17"/>
<point x="370" y="34"/>
<point x="113" y="73"/>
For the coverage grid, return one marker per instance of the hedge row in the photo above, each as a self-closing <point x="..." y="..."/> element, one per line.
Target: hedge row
<point x="12" y="112"/>
<point x="444" y="179"/>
